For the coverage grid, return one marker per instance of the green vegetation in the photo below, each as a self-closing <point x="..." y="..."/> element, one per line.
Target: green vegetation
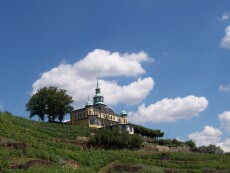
<point x="147" y="132"/>
<point x="211" y="149"/>
<point x="116" y="139"/>
<point x="50" y="101"/>
<point x="38" y="147"/>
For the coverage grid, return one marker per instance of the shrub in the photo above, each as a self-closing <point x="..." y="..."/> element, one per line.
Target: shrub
<point x="211" y="149"/>
<point x="191" y="144"/>
<point x="116" y="139"/>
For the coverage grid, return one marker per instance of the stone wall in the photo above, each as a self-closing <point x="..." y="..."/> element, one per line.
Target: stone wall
<point x="159" y="148"/>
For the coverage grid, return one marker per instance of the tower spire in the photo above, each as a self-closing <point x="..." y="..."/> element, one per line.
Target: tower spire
<point x="97" y="83"/>
<point x="98" y="98"/>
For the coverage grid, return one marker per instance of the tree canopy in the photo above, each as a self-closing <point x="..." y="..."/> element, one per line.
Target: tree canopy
<point x="50" y="101"/>
<point x="147" y="132"/>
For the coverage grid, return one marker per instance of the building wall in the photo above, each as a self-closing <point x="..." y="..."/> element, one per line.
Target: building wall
<point x="82" y="122"/>
<point x="81" y="117"/>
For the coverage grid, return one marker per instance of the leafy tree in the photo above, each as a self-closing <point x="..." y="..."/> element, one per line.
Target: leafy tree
<point x="191" y="144"/>
<point x="147" y="132"/>
<point x="50" y="101"/>
<point x="211" y="149"/>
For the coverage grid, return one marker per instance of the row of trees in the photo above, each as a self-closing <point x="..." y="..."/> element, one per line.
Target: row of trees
<point x="51" y="102"/>
<point x="147" y="132"/>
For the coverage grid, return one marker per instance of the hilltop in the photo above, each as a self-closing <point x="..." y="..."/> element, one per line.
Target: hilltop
<point x="31" y="146"/>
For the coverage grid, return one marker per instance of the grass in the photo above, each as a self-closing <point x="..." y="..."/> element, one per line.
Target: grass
<point x="45" y="147"/>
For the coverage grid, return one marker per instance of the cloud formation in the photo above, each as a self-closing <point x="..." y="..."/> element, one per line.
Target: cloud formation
<point x="225" y="16"/>
<point x="225" y="120"/>
<point x="209" y="135"/>
<point x="226" y="40"/>
<point x="225" y="145"/>
<point x="79" y="79"/>
<point x="101" y="63"/>
<point x="168" y="110"/>
<point x="224" y="88"/>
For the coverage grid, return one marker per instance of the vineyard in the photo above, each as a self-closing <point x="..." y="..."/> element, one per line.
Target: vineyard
<point x="30" y="146"/>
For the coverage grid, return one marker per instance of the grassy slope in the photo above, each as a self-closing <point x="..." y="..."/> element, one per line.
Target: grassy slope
<point x="57" y="147"/>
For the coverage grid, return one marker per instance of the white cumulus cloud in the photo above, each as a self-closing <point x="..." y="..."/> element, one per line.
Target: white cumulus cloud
<point x="102" y="63"/>
<point x="168" y="110"/>
<point x="79" y="79"/>
<point x="225" y="120"/>
<point x="226" y="40"/>
<point x="224" y="88"/>
<point x="209" y="135"/>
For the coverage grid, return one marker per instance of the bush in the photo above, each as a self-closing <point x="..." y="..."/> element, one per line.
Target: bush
<point x="211" y="149"/>
<point x="170" y="142"/>
<point x="191" y="144"/>
<point x="116" y="139"/>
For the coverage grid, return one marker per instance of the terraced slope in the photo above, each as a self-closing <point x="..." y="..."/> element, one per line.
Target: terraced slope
<point x="30" y="146"/>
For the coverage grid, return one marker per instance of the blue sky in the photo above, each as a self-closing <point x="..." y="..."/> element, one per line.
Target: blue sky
<point x="166" y="62"/>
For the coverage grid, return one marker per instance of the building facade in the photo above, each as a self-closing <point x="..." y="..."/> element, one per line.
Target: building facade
<point x="98" y="115"/>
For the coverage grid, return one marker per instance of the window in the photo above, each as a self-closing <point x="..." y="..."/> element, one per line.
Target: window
<point x="92" y="121"/>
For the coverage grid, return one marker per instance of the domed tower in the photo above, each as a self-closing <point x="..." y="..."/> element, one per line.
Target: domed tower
<point x="124" y="116"/>
<point x="98" y="99"/>
<point x="88" y="108"/>
<point x="88" y="103"/>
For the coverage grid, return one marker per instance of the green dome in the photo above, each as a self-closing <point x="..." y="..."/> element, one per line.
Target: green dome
<point x="123" y="112"/>
<point x="89" y="103"/>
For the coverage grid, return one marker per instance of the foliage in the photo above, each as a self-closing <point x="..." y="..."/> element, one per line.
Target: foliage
<point x="116" y="138"/>
<point x="191" y="144"/>
<point x="58" y="145"/>
<point x="211" y="149"/>
<point x="147" y="132"/>
<point x="170" y="142"/>
<point x="50" y="101"/>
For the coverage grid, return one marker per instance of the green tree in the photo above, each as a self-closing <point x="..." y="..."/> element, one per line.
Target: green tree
<point x="211" y="149"/>
<point x="147" y="132"/>
<point x="50" y="101"/>
<point x="191" y="144"/>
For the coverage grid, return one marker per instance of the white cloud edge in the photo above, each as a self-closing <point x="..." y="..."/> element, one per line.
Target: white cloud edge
<point x="225" y="120"/>
<point x="211" y="135"/>
<point x="225" y="16"/>
<point x="225" y="42"/>
<point x="224" y="88"/>
<point x="169" y="110"/>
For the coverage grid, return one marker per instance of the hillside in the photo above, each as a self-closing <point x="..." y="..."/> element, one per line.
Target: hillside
<point x="30" y="146"/>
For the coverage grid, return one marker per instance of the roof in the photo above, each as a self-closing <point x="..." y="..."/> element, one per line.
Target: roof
<point x="78" y="110"/>
<point x="105" y="109"/>
<point x="89" y="103"/>
<point x="123" y="112"/>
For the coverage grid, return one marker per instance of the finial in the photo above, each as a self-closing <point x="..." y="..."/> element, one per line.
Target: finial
<point x="97" y="83"/>
<point x="88" y="97"/>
